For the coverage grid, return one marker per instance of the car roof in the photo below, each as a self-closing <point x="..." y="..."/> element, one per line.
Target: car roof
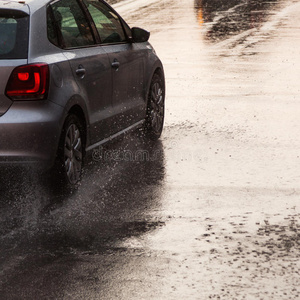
<point x="23" y="4"/>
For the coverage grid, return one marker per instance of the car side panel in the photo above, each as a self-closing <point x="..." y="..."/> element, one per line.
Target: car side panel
<point x="128" y="84"/>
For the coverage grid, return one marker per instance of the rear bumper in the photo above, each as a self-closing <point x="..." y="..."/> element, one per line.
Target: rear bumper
<point x="29" y="133"/>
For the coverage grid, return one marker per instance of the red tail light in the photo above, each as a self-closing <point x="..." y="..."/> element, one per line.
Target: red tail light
<point x="28" y="82"/>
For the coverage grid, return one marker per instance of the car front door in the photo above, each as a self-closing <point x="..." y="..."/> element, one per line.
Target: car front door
<point x="127" y="64"/>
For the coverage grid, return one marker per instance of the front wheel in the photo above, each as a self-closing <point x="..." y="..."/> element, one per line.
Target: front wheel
<point x="155" y="108"/>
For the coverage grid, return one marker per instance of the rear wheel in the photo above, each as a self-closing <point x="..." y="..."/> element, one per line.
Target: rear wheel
<point x="70" y="152"/>
<point x="155" y="109"/>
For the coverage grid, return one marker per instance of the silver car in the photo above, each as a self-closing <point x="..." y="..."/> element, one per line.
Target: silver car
<point x="73" y="76"/>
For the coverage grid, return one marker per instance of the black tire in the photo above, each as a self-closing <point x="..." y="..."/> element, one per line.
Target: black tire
<point x="71" y="151"/>
<point x="155" y="108"/>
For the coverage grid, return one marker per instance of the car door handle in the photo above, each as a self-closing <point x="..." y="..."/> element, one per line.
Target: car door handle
<point x="115" y="64"/>
<point x="80" y="71"/>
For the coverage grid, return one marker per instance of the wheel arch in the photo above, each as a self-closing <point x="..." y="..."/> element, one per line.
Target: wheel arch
<point x="76" y="105"/>
<point x="160" y="72"/>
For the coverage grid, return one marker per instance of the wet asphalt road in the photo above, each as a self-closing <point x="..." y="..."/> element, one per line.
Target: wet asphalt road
<point x="209" y="212"/>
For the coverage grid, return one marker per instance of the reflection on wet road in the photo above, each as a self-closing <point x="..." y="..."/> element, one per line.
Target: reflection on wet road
<point x="223" y="19"/>
<point x="41" y="226"/>
<point x="211" y="211"/>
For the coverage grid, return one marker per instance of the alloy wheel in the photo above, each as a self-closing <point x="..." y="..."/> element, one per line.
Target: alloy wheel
<point x="156" y="107"/>
<point x="73" y="154"/>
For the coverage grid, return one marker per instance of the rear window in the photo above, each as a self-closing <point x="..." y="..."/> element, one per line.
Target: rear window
<point x="13" y="35"/>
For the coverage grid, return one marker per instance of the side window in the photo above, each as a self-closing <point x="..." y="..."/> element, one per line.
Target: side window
<point x="107" y="22"/>
<point x="66" y="21"/>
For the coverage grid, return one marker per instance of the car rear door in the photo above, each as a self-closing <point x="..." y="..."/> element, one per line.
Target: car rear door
<point x="127" y="64"/>
<point x="89" y="63"/>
